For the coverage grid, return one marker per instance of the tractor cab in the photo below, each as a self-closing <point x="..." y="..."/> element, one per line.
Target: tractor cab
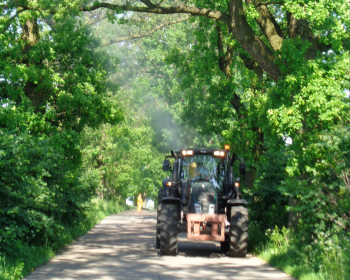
<point x="205" y="172"/>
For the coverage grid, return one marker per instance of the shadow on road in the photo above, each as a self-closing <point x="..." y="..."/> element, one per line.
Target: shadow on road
<point x="123" y="247"/>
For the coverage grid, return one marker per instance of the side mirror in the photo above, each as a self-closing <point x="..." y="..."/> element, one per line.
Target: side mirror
<point x="242" y="168"/>
<point x="166" y="165"/>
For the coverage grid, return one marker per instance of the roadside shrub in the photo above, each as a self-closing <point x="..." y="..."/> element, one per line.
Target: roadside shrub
<point x="325" y="257"/>
<point x="40" y="191"/>
<point x="27" y="257"/>
<point x="267" y="205"/>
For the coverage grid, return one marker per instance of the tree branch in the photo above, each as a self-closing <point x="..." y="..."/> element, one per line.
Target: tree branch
<point x="225" y="57"/>
<point x="11" y="19"/>
<point x="221" y="50"/>
<point x="225" y="62"/>
<point x="301" y="27"/>
<point x="269" y="26"/>
<point x="249" y="41"/>
<point x="141" y="35"/>
<point x="236" y="21"/>
<point x="270" y="3"/>
<point x="194" y="11"/>
<point x="96" y="20"/>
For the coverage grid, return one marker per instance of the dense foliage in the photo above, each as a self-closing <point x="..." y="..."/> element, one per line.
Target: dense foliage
<point x="49" y="91"/>
<point x="196" y="73"/>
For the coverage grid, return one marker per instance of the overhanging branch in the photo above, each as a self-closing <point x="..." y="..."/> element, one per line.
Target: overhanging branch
<point x="269" y="3"/>
<point x="225" y="57"/>
<point x="143" y="34"/>
<point x="194" y="11"/>
<point x="249" y="41"/>
<point x="268" y="25"/>
<point x="11" y="19"/>
<point x="96" y="20"/>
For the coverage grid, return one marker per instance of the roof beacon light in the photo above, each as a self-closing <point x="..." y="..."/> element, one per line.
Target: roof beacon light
<point x="227" y="147"/>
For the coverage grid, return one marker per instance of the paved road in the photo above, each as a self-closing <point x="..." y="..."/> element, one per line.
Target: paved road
<point x="122" y="246"/>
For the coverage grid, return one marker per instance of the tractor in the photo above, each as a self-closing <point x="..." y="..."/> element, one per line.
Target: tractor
<point x="202" y="198"/>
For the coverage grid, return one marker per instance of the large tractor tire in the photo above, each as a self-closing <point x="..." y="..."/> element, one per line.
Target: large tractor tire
<point x="160" y="198"/>
<point x="168" y="229"/>
<point x="238" y="232"/>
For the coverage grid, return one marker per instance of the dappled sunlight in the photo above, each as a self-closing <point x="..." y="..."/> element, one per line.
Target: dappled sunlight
<point x="120" y="248"/>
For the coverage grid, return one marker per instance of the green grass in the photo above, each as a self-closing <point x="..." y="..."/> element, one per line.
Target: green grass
<point x="319" y="260"/>
<point x="286" y="262"/>
<point x="27" y="257"/>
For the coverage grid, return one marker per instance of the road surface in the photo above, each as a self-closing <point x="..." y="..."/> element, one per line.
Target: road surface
<point x="122" y="246"/>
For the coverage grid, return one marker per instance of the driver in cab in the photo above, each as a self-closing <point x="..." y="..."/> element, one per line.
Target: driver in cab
<point x="198" y="170"/>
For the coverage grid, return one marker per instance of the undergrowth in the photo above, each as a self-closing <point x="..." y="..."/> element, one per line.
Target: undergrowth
<point x="25" y="258"/>
<point x="325" y="257"/>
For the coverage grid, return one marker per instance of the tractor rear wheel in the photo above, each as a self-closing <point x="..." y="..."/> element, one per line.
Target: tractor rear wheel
<point x="168" y="229"/>
<point x="238" y="232"/>
<point x="160" y="198"/>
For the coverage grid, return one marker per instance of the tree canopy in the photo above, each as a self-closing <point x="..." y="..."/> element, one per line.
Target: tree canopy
<point x="94" y="93"/>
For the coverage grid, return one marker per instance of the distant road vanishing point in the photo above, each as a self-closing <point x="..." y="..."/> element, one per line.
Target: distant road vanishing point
<point x="122" y="246"/>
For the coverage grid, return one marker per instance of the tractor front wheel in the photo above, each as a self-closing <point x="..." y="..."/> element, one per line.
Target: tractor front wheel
<point x="160" y="198"/>
<point x="168" y="229"/>
<point x="238" y="232"/>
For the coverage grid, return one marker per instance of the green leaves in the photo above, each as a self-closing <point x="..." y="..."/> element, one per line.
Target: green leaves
<point x="50" y="90"/>
<point x="123" y="158"/>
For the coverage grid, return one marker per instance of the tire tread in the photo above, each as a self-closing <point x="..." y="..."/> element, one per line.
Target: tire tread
<point x="160" y="198"/>
<point x="238" y="232"/>
<point x="168" y="229"/>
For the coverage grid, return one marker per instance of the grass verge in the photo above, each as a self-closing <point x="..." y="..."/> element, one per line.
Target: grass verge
<point x="321" y="259"/>
<point x="28" y="257"/>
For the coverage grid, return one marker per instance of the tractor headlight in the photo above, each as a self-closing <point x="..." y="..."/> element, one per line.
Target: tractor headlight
<point x="219" y="153"/>
<point x="197" y="208"/>
<point x="211" y="209"/>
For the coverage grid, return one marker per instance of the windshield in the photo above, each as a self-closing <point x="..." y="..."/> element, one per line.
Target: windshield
<point x="204" y="167"/>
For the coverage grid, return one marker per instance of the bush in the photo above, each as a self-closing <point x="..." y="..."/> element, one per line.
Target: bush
<point x="40" y="189"/>
<point x="316" y="247"/>
<point x="323" y="258"/>
<point x="267" y="206"/>
<point x="19" y="262"/>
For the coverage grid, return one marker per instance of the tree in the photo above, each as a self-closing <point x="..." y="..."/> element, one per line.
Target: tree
<point x="52" y="85"/>
<point x="284" y="71"/>
<point x="270" y="69"/>
<point x="231" y="34"/>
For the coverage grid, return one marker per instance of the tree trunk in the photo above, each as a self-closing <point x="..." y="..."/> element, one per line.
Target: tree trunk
<point x="30" y="36"/>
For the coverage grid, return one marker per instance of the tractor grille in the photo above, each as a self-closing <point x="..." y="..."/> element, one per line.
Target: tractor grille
<point x="204" y="197"/>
